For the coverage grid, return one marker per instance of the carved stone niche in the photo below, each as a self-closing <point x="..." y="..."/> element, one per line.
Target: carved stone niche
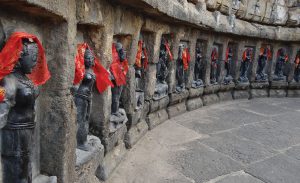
<point x="230" y="63"/>
<point x="200" y="64"/>
<point x="215" y="63"/>
<point x="181" y="72"/>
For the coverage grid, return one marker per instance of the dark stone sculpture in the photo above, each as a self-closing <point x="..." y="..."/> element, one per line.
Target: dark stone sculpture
<point x="261" y="76"/>
<point x="83" y="96"/>
<point x="161" y="88"/>
<point x="247" y="58"/>
<point x="297" y="67"/>
<point x="17" y="107"/>
<point x="214" y="66"/>
<point x="198" y="70"/>
<point x="228" y="61"/>
<point x="182" y="67"/>
<point x="282" y="58"/>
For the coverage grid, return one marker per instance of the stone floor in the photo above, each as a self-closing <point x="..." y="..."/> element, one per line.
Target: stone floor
<point x="244" y="141"/>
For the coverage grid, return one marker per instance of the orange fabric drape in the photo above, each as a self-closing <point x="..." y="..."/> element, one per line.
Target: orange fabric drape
<point x="102" y="75"/>
<point x="245" y="54"/>
<point x="169" y="51"/>
<point x="11" y="53"/>
<point x="138" y="59"/>
<point x="186" y="58"/>
<point x="119" y="69"/>
<point x="269" y="53"/>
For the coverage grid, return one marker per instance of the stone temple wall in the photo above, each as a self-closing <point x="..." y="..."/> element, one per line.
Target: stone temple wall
<point x="62" y="24"/>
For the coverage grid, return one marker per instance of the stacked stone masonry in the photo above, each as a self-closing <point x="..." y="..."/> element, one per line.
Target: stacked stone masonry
<point x="204" y="25"/>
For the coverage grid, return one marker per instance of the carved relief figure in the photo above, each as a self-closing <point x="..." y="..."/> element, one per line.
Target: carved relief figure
<point x="264" y="56"/>
<point x="228" y="62"/>
<point x="247" y="58"/>
<point x="214" y="66"/>
<point x="198" y="70"/>
<point x="118" y="69"/>
<point x="297" y="67"/>
<point x="87" y="70"/>
<point x="23" y="67"/>
<point x="282" y="58"/>
<point x="182" y="66"/>
<point x="140" y="66"/>
<point x="165" y="55"/>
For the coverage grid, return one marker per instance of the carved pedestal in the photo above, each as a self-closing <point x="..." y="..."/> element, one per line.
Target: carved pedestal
<point x="259" y="89"/>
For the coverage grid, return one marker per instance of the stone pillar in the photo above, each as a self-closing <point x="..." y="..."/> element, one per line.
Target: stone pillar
<point x="207" y="59"/>
<point x="271" y="68"/>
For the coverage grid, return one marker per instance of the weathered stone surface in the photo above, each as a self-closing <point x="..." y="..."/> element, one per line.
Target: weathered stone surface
<point x="277" y="93"/>
<point x="87" y="162"/>
<point x="242" y="86"/>
<point x="228" y="87"/>
<point x="194" y="103"/>
<point x="176" y="98"/>
<point x="259" y="85"/>
<point x="139" y="115"/>
<point x="225" y="96"/>
<point x="294" y="85"/>
<point x="159" y="104"/>
<point x="236" y="177"/>
<point x="156" y="118"/>
<point x="111" y="161"/>
<point x="195" y="92"/>
<point x="176" y="109"/>
<point x="45" y="179"/>
<point x="240" y="94"/>
<point x="114" y="139"/>
<point x="293" y="93"/>
<point x="135" y="133"/>
<point x="259" y="93"/>
<point x="279" y="84"/>
<point x="208" y="89"/>
<point x="210" y="99"/>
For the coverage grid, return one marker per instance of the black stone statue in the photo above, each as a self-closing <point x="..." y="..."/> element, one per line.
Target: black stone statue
<point x="297" y="67"/>
<point x="214" y="66"/>
<point x="262" y="60"/>
<point x="83" y="96"/>
<point x="281" y="59"/>
<point x="180" y="73"/>
<point x="198" y="70"/>
<point x="17" y="113"/>
<point x="228" y="78"/>
<point x="161" y="88"/>
<point x="247" y="58"/>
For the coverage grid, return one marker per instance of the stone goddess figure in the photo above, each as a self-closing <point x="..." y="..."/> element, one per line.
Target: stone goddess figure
<point x="87" y="70"/>
<point x="23" y="67"/>
<point x="214" y="66"/>
<point x="228" y="62"/>
<point x="264" y="56"/>
<point x="297" y="67"/>
<point x="282" y="58"/>
<point x="182" y="66"/>
<point x="197" y="83"/>
<point x="246" y="60"/>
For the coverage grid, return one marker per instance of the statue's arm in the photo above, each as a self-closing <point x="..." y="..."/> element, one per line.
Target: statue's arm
<point x="9" y="85"/>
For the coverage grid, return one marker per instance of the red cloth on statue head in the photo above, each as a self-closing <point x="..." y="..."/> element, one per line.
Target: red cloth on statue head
<point x="10" y="54"/>
<point x="119" y="69"/>
<point x="186" y="58"/>
<point x="102" y="75"/>
<point x="247" y="51"/>
<point x="169" y="50"/>
<point x="138" y="59"/>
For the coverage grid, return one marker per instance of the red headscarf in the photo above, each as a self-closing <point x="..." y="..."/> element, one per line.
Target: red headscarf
<point x="245" y="54"/>
<point x="102" y="75"/>
<point x="281" y="50"/>
<point x="186" y="58"/>
<point x="138" y="58"/>
<point x="11" y="53"/>
<point x="214" y="56"/>
<point x="119" y="69"/>
<point x="269" y="54"/>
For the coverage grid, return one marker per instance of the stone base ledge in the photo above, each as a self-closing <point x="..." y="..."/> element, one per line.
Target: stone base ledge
<point x="195" y="92"/>
<point x="227" y="87"/>
<point x="259" y="85"/>
<point x="156" y="118"/>
<point x="210" y="99"/>
<point x="194" y="103"/>
<point x="135" y="133"/>
<point x="176" y="98"/>
<point x="115" y="138"/>
<point x="242" y="86"/>
<point x="209" y="89"/>
<point x="293" y="93"/>
<point x="225" y="95"/>
<point x="278" y="85"/>
<point x="294" y="85"/>
<point x="259" y="93"/>
<point x="156" y="105"/>
<point x="241" y="94"/>
<point x="279" y="93"/>
<point x="176" y="109"/>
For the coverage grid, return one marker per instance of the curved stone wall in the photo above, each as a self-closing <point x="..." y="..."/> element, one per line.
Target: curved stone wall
<point x="62" y="24"/>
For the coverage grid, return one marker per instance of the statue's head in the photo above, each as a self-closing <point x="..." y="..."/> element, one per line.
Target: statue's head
<point x="282" y="52"/>
<point x="248" y="53"/>
<point x="89" y="59"/>
<point x="29" y="56"/>
<point x="121" y="51"/>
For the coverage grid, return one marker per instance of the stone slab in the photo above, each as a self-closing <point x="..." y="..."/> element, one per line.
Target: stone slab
<point x="225" y="96"/>
<point x="156" y="105"/>
<point x="242" y="86"/>
<point x="294" y="85"/>
<point x="278" y="169"/>
<point x="294" y="152"/>
<point x="277" y="93"/>
<point x="87" y="162"/>
<point x="44" y="179"/>
<point x="194" y="103"/>
<point x="176" y="98"/>
<point x="240" y="94"/>
<point x="259" y="85"/>
<point x="228" y="87"/>
<point x="115" y="138"/>
<point x="293" y="93"/>
<point x="259" y="93"/>
<point x="111" y="161"/>
<point x="135" y="133"/>
<point x="210" y="99"/>
<point x="278" y="84"/>
<point x="176" y="109"/>
<point x="208" y="89"/>
<point x="236" y="177"/>
<point x="138" y="115"/>
<point x="156" y="118"/>
<point x="195" y="92"/>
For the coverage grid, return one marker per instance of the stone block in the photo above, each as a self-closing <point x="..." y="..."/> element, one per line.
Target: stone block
<point x="111" y="161"/>
<point x="194" y="103"/>
<point x="176" y="109"/>
<point x="87" y="162"/>
<point x="135" y="133"/>
<point x="240" y="94"/>
<point x="115" y="139"/>
<point x="45" y="179"/>
<point x="294" y="85"/>
<point x="242" y="86"/>
<point x="259" y="85"/>
<point x="228" y="87"/>
<point x="293" y="93"/>
<point x="259" y="93"/>
<point x="225" y="96"/>
<point x="208" y="89"/>
<point x="210" y="99"/>
<point x="277" y="93"/>
<point x="195" y="92"/>
<point x="156" y="105"/>
<point x="278" y="85"/>
<point x="138" y="115"/>
<point x="176" y="98"/>
<point x="156" y="118"/>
